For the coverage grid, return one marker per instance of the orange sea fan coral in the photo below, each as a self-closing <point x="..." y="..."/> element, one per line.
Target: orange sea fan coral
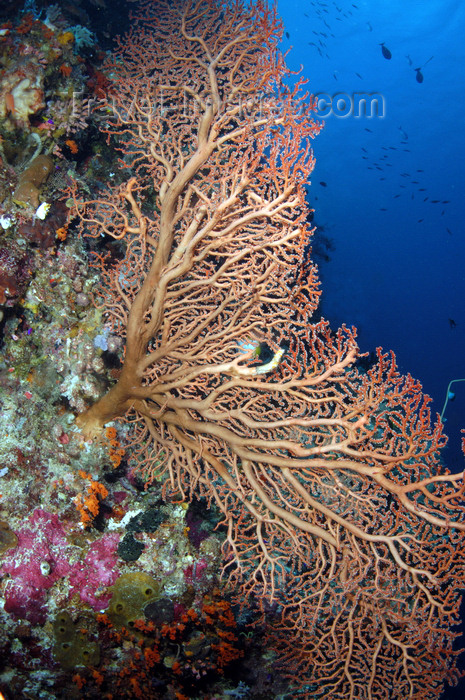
<point x="343" y="526"/>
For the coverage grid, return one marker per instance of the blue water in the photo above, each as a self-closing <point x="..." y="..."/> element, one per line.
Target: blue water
<point x="398" y="279"/>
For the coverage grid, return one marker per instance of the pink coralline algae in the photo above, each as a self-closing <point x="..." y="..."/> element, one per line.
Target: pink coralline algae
<point x="43" y="557"/>
<point x="97" y="571"/>
<point x="38" y="562"/>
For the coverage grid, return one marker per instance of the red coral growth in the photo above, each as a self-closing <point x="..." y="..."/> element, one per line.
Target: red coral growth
<point x="99" y="84"/>
<point x="88" y="505"/>
<point x="27" y="24"/>
<point x="188" y="654"/>
<point x="72" y="145"/>
<point x="65" y="70"/>
<point x="116" y="451"/>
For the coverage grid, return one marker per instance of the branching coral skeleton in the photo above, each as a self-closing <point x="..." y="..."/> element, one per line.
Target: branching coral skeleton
<point x="325" y="467"/>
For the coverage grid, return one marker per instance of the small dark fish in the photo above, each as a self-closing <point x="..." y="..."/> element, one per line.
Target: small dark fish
<point x="364" y="150"/>
<point x="452" y="323"/>
<point x="443" y="212"/>
<point x="386" y="53"/>
<point x="365" y="157"/>
<point x="323" y="184"/>
<point x="449" y="231"/>
<point x="288" y="36"/>
<point x="419" y="221"/>
<point x="396" y="195"/>
<point x="415" y="182"/>
<point x="367" y="129"/>
<point x="422" y="189"/>
<point x="382" y="178"/>
<point x="419" y="75"/>
<point x="356" y="6"/>
<point x="413" y="196"/>
<point x="445" y="201"/>
<point x="359" y="76"/>
<point x="436" y="201"/>
<point x="382" y="209"/>
<point x="426" y="199"/>
<point x="370" y="28"/>
<point x="392" y="148"/>
<point x="420" y="171"/>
